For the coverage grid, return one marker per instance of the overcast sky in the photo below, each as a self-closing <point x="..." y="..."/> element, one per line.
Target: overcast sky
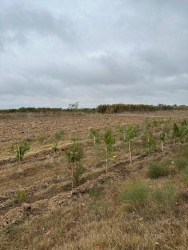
<point x="57" y="52"/>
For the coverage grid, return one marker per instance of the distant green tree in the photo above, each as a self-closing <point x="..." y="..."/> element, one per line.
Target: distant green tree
<point x="73" y="106"/>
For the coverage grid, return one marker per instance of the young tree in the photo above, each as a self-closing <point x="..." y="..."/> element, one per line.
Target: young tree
<point x="155" y="124"/>
<point x="121" y="129"/>
<point x="162" y="140"/>
<point x="176" y="133"/>
<point x="94" y="134"/>
<point x="184" y="123"/>
<point x="109" y="143"/>
<point x="73" y="106"/>
<point x="74" y="137"/>
<point x="58" y="135"/>
<point x="20" y="150"/>
<point x="130" y="135"/>
<point x="149" y="142"/>
<point x="184" y="131"/>
<point x="55" y="147"/>
<point x="74" y="154"/>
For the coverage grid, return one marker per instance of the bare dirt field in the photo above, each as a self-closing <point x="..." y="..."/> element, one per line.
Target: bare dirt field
<point x="14" y="126"/>
<point x="44" y="176"/>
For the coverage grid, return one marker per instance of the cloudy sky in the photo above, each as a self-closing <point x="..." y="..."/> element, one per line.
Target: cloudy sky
<point x="53" y="53"/>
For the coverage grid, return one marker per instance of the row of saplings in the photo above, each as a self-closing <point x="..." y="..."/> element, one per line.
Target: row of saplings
<point x="144" y="137"/>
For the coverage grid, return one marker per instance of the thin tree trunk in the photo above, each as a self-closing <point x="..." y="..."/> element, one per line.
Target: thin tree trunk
<point x="94" y="140"/>
<point x="19" y="153"/>
<point x="106" y="160"/>
<point x="130" y="153"/>
<point x="27" y="135"/>
<point x="148" y="147"/>
<point x="162" y="146"/>
<point x="124" y="136"/>
<point x="72" y="177"/>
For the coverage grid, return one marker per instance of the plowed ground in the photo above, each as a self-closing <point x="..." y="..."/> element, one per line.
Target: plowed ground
<point x="45" y="175"/>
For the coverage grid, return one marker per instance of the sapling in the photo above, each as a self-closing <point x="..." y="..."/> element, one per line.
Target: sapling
<point x="19" y="197"/>
<point x="184" y="131"/>
<point x="184" y="122"/>
<point x="146" y="124"/>
<point x="176" y="133"/>
<point x="155" y="124"/>
<point x="162" y="139"/>
<point x="121" y="130"/>
<point x="94" y="135"/>
<point x="55" y="147"/>
<point x="58" y="134"/>
<point x="148" y="141"/>
<point x="109" y="143"/>
<point x="130" y="135"/>
<point x="20" y="150"/>
<point x="168" y="123"/>
<point x="167" y="128"/>
<point x="74" y="154"/>
<point x="74" y="137"/>
<point x="42" y="138"/>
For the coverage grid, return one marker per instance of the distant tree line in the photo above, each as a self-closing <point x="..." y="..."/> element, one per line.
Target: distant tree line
<point x="105" y="108"/>
<point x="118" y="108"/>
<point x="44" y="110"/>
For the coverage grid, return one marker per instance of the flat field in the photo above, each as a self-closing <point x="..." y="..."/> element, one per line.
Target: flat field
<point x="38" y="211"/>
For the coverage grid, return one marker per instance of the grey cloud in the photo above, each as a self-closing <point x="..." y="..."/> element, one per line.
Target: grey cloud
<point x="55" y="52"/>
<point x="18" y="21"/>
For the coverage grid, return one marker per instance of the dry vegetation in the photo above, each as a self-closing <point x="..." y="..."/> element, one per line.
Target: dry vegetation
<point x="133" y="206"/>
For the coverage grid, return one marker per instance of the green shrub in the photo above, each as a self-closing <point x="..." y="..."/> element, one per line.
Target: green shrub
<point x="165" y="197"/>
<point x="135" y="193"/>
<point x="184" y="175"/>
<point x="19" y="197"/>
<point x="157" y="169"/>
<point x="42" y="138"/>
<point x="181" y="163"/>
<point x="58" y="135"/>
